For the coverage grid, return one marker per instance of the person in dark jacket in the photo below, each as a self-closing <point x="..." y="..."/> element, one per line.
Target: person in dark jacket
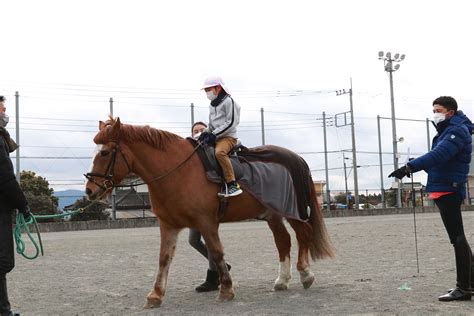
<point x="447" y="165"/>
<point x="212" y="278"/>
<point x="11" y="197"/>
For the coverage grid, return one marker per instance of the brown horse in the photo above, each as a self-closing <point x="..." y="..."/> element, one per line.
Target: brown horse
<point x="181" y="196"/>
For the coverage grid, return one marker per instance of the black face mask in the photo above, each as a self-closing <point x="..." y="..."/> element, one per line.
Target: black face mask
<point x="219" y="98"/>
<point x="4" y="119"/>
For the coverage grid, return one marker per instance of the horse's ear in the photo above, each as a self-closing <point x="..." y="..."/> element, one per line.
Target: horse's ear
<point x="116" y="128"/>
<point x="101" y="125"/>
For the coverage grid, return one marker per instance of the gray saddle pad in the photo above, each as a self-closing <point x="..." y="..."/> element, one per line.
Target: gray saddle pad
<point x="277" y="177"/>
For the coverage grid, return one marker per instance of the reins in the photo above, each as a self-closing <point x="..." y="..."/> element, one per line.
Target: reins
<point x="23" y="225"/>
<point x="166" y="173"/>
<point x="110" y="169"/>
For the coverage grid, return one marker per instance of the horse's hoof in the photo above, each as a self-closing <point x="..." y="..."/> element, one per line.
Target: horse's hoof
<point x="153" y="302"/>
<point x="225" y="297"/>
<point x="308" y="281"/>
<point x="280" y="287"/>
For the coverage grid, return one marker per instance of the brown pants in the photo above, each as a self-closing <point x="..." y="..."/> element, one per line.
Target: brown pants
<point x="223" y="146"/>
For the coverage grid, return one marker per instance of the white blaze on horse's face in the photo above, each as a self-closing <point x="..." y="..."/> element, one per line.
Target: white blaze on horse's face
<point x="97" y="150"/>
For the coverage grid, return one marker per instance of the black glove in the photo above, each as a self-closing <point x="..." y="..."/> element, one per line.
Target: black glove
<point x="401" y="172"/>
<point x="27" y="215"/>
<point x="207" y="138"/>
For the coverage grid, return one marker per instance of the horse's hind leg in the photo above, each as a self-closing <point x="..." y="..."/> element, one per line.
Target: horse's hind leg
<point x="169" y="237"/>
<point x="283" y="243"/>
<point x="304" y="236"/>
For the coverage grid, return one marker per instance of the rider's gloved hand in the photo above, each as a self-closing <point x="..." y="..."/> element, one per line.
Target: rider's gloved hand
<point x="207" y="138"/>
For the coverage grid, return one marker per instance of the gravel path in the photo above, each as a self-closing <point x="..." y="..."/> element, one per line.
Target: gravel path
<point x="111" y="271"/>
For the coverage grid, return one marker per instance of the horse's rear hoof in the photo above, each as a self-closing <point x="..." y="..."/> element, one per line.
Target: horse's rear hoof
<point x="152" y="301"/>
<point x="308" y="282"/>
<point x="280" y="287"/>
<point x="225" y="297"/>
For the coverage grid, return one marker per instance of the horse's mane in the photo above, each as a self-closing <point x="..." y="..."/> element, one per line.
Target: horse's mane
<point x="147" y="134"/>
<point x="137" y="133"/>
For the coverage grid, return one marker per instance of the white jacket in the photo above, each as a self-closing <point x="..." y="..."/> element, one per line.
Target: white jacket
<point x="224" y="118"/>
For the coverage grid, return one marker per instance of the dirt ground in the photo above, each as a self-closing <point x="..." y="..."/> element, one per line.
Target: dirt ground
<point x="375" y="272"/>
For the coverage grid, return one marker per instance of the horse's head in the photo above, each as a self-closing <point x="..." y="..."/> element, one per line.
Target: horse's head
<point x="110" y="164"/>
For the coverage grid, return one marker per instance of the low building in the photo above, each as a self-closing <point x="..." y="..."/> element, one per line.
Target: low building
<point x="319" y="187"/>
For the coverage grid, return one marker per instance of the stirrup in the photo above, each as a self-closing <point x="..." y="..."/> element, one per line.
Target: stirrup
<point x="225" y="192"/>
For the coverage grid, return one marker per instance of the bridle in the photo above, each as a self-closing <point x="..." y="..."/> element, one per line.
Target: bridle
<point x="109" y="172"/>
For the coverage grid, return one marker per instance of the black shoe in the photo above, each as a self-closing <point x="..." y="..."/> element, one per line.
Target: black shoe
<point x="456" y="295"/>
<point x="4" y="303"/>
<point x="211" y="283"/>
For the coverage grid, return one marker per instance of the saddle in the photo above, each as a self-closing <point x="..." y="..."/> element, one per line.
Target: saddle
<point x="277" y="177"/>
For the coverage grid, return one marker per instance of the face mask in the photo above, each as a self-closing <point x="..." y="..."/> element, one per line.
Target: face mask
<point x="4" y="119"/>
<point x="210" y="95"/>
<point x="439" y="117"/>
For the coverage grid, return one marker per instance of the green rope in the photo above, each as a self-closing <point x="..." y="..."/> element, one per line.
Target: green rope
<point x="23" y="225"/>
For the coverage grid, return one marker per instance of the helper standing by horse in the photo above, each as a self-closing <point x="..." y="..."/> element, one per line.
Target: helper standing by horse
<point x="447" y="165"/>
<point x="11" y="197"/>
<point x="195" y="237"/>
<point x="224" y="116"/>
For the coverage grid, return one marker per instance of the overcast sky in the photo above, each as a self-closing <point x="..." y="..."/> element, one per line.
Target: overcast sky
<point x="66" y="58"/>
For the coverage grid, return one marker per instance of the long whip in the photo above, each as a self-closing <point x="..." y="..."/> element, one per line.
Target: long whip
<point x="413" y="204"/>
<point x="414" y="222"/>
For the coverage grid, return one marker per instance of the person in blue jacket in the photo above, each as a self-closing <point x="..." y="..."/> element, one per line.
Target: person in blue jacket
<point x="447" y="165"/>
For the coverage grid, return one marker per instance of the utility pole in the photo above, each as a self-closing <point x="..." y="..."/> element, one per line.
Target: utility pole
<point x="111" y="103"/>
<point x="354" y="151"/>
<point x="428" y="133"/>
<point x="192" y="114"/>
<point x="328" y="192"/>
<point x="345" y="180"/>
<point x="17" y="124"/>
<point x="390" y="67"/>
<point x="262" y="119"/>
<point x="114" y="190"/>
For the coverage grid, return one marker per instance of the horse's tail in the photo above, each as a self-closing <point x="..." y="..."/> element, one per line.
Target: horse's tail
<point x="321" y="246"/>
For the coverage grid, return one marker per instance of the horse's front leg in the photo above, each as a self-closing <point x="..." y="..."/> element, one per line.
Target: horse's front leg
<point x="169" y="237"/>
<point x="214" y="246"/>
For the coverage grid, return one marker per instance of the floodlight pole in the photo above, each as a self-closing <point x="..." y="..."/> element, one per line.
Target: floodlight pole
<point x="394" y="132"/>
<point x="390" y="68"/>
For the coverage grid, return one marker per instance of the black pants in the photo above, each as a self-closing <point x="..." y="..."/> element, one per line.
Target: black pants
<point x="7" y="258"/>
<point x="196" y="242"/>
<point x="450" y="209"/>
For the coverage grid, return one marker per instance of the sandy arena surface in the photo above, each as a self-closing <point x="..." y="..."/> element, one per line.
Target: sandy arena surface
<point x="375" y="272"/>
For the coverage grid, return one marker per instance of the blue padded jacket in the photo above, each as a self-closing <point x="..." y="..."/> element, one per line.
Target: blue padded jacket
<point x="447" y="163"/>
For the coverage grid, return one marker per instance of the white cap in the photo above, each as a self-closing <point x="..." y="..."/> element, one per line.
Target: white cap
<point x="213" y="81"/>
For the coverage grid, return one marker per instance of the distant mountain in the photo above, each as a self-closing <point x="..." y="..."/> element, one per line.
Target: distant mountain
<point x="68" y="197"/>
